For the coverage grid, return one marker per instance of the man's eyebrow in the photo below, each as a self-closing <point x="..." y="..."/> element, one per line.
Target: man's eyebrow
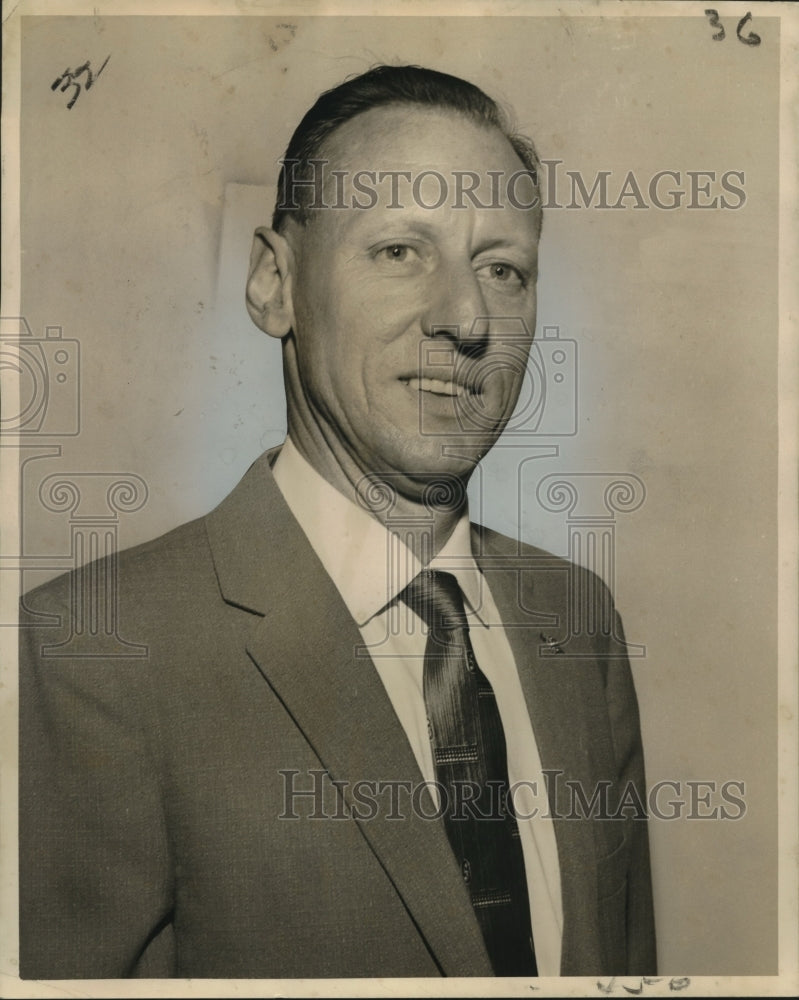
<point x="406" y="224"/>
<point x="510" y="241"/>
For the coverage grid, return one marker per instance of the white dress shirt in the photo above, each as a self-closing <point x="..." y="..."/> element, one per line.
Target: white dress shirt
<point x="370" y="565"/>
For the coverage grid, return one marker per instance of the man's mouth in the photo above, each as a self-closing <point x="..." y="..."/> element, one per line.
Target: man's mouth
<point x="438" y="386"/>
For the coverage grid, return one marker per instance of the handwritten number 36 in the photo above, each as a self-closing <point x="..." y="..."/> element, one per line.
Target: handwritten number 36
<point x="749" y="39"/>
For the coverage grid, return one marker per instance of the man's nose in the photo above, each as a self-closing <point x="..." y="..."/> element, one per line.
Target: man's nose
<point x="457" y="308"/>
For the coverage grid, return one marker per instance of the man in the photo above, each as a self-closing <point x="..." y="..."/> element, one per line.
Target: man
<point x="353" y="746"/>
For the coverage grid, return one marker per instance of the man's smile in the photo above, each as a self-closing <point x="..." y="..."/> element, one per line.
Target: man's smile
<point x="438" y="386"/>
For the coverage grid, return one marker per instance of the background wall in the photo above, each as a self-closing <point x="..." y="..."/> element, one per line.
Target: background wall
<point x="672" y="315"/>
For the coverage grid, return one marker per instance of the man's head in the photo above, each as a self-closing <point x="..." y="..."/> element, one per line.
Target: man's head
<point x="381" y="87"/>
<point x="401" y="277"/>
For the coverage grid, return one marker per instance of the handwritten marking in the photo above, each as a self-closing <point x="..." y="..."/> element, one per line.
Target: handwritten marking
<point x="606" y="987"/>
<point x="751" y="38"/>
<point x="713" y="17"/>
<point x="69" y="78"/>
<point x="748" y="39"/>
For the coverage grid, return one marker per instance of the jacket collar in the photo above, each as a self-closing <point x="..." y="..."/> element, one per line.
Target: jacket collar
<point x="308" y="649"/>
<point x="249" y="530"/>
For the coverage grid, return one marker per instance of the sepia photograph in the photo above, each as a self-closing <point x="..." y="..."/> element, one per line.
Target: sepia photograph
<point x="398" y="572"/>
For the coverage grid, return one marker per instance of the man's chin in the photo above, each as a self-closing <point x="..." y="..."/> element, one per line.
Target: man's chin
<point x="433" y="472"/>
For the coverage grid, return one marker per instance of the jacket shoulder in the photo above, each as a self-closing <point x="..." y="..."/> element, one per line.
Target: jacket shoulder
<point x="490" y="544"/>
<point x="176" y="547"/>
<point x="141" y="582"/>
<point x="574" y="600"/>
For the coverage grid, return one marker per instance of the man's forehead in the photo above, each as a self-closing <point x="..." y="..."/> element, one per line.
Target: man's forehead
<point x="408" y="161"/>
<point x="397" y="136"/>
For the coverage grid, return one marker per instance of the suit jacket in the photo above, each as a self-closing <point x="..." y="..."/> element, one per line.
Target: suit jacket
<point x="159" y="830"/>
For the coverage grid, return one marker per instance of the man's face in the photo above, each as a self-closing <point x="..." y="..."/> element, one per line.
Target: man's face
<point x="399" y="363"/>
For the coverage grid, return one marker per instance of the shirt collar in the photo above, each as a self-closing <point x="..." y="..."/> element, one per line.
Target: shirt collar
<point x="368" y="563"/>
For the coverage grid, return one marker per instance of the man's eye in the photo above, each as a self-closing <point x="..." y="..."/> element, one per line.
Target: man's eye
<point x="504" y="274"/>
<point x="398" y="252"/>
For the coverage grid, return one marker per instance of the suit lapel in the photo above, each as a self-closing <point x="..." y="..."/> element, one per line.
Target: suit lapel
<point x="308" y="649"/>
<point x="529" y="591"/>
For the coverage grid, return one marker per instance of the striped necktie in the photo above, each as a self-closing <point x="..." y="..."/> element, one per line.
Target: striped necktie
<point x="471" y="770"/>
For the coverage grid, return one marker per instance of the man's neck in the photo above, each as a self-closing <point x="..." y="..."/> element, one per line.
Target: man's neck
<point x="423" y="520"/>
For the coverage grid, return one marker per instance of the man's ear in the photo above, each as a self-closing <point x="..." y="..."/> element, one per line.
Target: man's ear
<point x="269" y="283"/>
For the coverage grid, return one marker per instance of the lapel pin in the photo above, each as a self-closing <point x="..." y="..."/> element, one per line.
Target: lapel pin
<point x="551" y="643"/>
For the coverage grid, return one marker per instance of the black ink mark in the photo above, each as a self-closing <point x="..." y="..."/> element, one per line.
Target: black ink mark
<point x="610" y="986"/>
<point x="69" y="78"/>
<point x="751" y="38"/>
<point x="713" y="16"/>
